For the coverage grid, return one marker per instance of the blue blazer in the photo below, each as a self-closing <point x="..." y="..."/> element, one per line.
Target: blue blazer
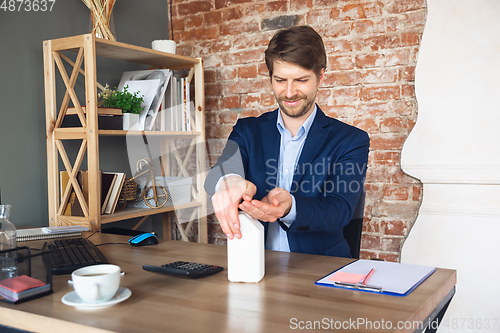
<point x="327" y="183"/>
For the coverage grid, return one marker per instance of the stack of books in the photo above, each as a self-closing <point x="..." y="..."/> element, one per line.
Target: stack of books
<point x="22" y="287"/>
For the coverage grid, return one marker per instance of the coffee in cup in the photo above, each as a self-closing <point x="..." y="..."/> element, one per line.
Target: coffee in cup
<point x="96" y="283"/>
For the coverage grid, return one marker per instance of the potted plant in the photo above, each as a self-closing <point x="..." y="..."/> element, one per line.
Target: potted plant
<point x="129" y="103"/>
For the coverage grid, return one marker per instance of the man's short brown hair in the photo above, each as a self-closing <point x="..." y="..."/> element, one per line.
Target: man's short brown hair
<point x="300" y="45"/>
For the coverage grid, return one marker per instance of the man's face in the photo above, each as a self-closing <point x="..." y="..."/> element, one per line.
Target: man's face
<point x="295" y="88"/>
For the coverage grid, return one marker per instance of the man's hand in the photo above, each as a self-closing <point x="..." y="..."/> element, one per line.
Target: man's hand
<point x="277" y="203"/>
<point x="226" y="200"/>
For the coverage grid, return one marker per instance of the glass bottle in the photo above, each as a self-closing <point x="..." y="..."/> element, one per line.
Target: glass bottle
<point x="8" y="265"/>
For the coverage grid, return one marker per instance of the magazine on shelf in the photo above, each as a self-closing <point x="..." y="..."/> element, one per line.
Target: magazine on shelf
<point x="152" y="84"/>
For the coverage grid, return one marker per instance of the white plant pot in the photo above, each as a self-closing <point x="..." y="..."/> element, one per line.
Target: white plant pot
<point x="130" y="121"/>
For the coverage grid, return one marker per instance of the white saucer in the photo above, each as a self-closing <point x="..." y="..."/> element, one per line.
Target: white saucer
<point x="73" y="299"/>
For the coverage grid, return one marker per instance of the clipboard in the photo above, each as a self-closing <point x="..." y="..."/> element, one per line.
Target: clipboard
<point x="388" y="278"/>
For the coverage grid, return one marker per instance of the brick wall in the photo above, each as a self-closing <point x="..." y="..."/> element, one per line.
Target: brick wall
<point x="372" y="49"/>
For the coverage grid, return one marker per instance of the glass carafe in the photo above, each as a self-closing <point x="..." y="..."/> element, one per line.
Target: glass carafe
<point x="8" y="264"/>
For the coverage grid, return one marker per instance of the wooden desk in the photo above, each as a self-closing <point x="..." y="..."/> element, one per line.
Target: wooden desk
<point x="286" y="298"/>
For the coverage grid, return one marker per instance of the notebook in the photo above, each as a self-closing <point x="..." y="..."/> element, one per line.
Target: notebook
<point x="31" y="234"/>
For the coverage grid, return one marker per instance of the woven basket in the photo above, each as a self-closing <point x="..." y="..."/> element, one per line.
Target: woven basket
<point x="129" y="189"/>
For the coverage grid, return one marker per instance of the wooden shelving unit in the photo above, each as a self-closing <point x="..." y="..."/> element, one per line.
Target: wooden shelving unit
<point x="88" y="48"/>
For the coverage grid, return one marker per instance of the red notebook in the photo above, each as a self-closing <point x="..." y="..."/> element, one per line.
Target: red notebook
<point x="20" y="283"/>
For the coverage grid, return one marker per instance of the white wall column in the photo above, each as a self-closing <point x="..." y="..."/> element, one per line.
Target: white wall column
<point x="454" y="150"/>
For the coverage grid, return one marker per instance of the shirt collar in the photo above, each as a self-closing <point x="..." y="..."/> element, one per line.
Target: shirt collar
<point x="306" y="126"/>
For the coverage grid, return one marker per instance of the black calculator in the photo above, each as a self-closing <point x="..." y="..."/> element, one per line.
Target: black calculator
<point x="185" y="269"/>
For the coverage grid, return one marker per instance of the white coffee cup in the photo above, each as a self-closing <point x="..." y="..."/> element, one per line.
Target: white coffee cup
<point x="96" y="283"/>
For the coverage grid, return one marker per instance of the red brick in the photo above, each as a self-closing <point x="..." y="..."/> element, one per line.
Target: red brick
<point x="250" y="101"/>
<point x="345" y="95"/>
<point x="403" y="210"/>
<point x="407" y="73"/>
<point x="386" y="58"/>
<point x="368" y="125"/>
<point x="250" y="113"/>
<point x="369" y="241"/>
<point x="247" y="86"/>
<point x="193" y="7"/>
<point x="391" y="257"/>
<point x="408" y="91"/>
<point x="225" y="3"/>
<point x="400" y="6"/>
<point x="267" y="99"/>
<point x="367" y="254"/>
<point x="381" y="75"/>
<point x="211" y="103"/>
<point x="395" y="192"/>
<point x="213" y="18"/>
<point x="203" y="33"/>
<point x="231" y="13"/>
<point x="340" y="62"/>
<point x="277" y="6"/>
<point x="243" y="57"/>
<point x="209" y="76"/>
<point x="383" y="93"/>
<point x="213" y="89"/>
<point x="372" y="226"/>
<point x="342" y="46"/>
<point x="236" y="28"/>
<point x="339" y="112"/>
<point x="394" y="125"/>
<point x="388" y="158"/>
<point x="391" y="244"/>
<point x="342" y="78"/>
<point x="323" y="95"/>
<point x="352" y="12"/>
<point x="318" y="17"/>
<point x="416" y="192"/>
<point x="228" y="117"/>
<point x="369" y="26"/>
<point x="247" y="72"/>
<point x="337" y="30"/>
<point x="227" y="73"/>
<point x="193" y="21"/>
<point x="373" y="9"/>
<point x="378" y="174"/>
<point x="387" y="142"/>
<point x="231" y="102"/>
<point x="301" y="4"/>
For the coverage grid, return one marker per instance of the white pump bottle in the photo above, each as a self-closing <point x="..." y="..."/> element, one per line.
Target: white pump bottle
<point x="246" y="256"/>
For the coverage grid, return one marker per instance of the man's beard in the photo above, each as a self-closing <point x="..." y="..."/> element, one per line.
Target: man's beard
<point x="299" y="112"/>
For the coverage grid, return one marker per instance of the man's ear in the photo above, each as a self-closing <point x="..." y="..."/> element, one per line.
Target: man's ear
<point x="321" y="77"/>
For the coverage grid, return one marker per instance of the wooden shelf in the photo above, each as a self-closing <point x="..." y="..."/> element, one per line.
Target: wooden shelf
<point x="125" y="52"/>
<point x="88" y="48"/>
<point x="129" y="213"/>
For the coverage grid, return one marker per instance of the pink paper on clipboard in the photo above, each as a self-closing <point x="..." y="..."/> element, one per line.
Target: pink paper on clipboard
<point x="346" y="277"/>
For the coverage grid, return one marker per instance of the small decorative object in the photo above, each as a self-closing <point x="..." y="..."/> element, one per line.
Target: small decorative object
<point x="101" y="15"/>
<point x="8" y="265"/>
<point x="165" y="45"/>
<point x="128" y="102"/>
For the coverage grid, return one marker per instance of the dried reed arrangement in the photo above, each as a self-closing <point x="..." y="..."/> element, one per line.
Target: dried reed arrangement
<point x="101" y="14"/>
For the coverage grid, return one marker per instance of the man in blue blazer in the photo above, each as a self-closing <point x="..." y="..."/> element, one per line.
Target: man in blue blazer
<point x="295" y="169"/>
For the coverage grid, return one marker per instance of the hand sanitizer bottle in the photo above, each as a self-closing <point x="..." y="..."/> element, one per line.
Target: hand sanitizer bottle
<point x="245" y="256"/>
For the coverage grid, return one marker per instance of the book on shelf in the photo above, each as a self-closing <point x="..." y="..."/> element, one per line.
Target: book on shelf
<point x="73" y="207"/>
<point x="177" y="106"/>
<point x="31" y="234"/>
<point x="21" y="287"/>
<point x="115" y="193"/>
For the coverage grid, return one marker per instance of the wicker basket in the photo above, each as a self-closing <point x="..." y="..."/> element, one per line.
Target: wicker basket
<point x="129" y="189"/>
